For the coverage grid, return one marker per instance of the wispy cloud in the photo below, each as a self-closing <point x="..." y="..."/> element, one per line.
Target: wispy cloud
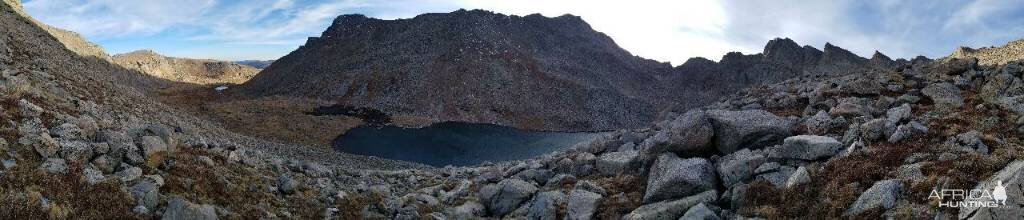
<point x="666" y="30"/>
<point x="115" y="18"/>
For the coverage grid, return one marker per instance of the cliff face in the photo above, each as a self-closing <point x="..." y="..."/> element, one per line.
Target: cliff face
<point x="198" y="71"/>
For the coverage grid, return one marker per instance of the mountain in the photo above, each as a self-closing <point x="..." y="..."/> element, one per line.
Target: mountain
<point x="530" y="72"/>
<point x="1012" y="51"/>
<point x="258" y="64"/>
<point x="198" y="71"/>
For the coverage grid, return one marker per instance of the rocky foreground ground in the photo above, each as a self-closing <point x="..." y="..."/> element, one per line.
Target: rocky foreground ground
<point x="77" y="140"/>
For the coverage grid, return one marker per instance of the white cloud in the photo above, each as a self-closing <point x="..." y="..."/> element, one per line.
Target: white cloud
<point x="665" y="30"/>
<point x="657" y="29"/>
<point x="114" y="18"/>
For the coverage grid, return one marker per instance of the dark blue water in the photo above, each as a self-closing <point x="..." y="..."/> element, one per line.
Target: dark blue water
<point x="455" y="143"/>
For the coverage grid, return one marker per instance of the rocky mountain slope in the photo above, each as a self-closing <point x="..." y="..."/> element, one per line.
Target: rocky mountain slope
<point x="198" y="71"/>
<point x="1012" y="51"/>
<point x="71" y="40"/>
<point x="479" y="66"/>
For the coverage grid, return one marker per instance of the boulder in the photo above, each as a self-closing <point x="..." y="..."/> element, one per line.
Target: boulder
<point x="776" y="176"/>
<point x="75" y="151"/>
<point x="466" y="211"/>
<point x="738" y="166"/>
<point x="687" y="134"/>
<point x="590" y="186"/>
<point x="129" y="173"/>
<point x="1012" y="180"/>
<point x="672" y="209"/>
<point x="968" y="142"/>
<point x="145" y="193"/>
<point x="505" y="196"/>
<point x="945" y="95"/>
<point x="286" y="184"/>
<point x="672" y="177"/>
<point x="800" y="176"/>
<point x="807" y="147"/>
<point x="700" y="212"/>
<point x="897" y="114"/>
<point x="180" y="209"/>
<point x="908" y="130"/>
<point x="822" y="123"/>
<point x="539" y="176"/>
<point x="582" y="204"/>
<point x="882" y="194"/>
<point x="54" y="165"/>
<point x="152" y="145"/>
<point x="545" y="205"/>
<point x="749" y="128"/>
<point x="876" y="129"/>
<point x="28" y="109"/>
<point x="1015" y="104"/>
<point x="614" y="163"/>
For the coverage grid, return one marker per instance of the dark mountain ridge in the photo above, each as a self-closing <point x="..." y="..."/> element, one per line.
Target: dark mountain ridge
<point x="552" y="73"/>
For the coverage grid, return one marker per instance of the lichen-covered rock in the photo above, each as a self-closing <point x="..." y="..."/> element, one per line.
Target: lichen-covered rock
<point x="699" y="212"/>
<point x="505" y="196"/>
<point x="582" y="204"/>
<point x="673" y="177"/>
<point x="738" y="166"/>
<point x="876" y="129"/>
<point x="944" y="95"/>
<point x="807" y="147"/>
<point x="689" y="133"/>
<point x="613" y="163"/>
<point x="749" y="128"/>
<point x="800" y="176"/>
<point x="545" y="205"/>
<point x="180" y="209"/>
<point x="671" y="209"/>
<point x="883" y="194"/>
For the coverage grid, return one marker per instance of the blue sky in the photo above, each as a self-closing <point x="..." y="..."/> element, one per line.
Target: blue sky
<point x="669" y="31"/>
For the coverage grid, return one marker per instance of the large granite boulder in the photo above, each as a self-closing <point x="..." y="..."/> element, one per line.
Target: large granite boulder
<point x="944" y="95"/>
<point x="882" y="194"/>
<point x="673" y="177"/>
<point x="738" y="166"/>
<point x="180" y="209"/>
<point x="672" y="209"/>
<point x="687" y="134"/>
<point x="748" y="128"/>
<point x="505" y="196"/>
<point x="808" y="147"/>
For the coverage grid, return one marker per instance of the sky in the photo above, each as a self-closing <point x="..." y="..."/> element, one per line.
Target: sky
<point x="664" y="30"/>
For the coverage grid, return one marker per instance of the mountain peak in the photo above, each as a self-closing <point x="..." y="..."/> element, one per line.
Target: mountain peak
<point x="780" y="45"/>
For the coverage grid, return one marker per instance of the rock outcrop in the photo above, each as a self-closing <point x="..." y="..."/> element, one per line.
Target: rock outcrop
<point x="197" y="71"/>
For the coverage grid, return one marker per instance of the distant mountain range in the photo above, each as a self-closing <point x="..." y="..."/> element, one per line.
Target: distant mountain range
<point x="198" y="71"/>
<point x="530" y="72"/>
<point x="258" y="64"/>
